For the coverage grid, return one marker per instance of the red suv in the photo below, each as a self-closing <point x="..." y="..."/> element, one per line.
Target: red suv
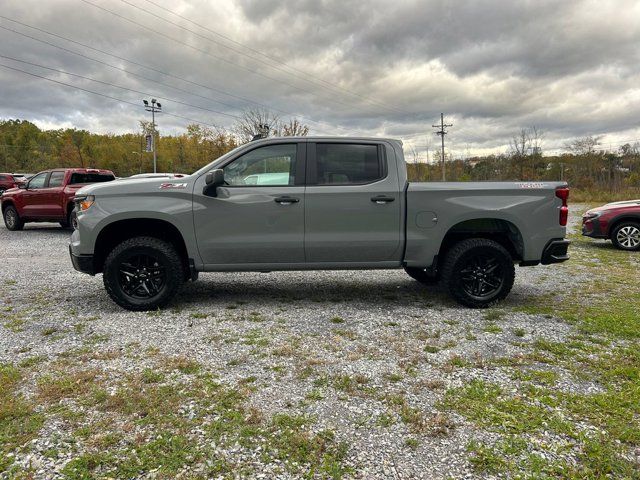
<point x="7" y="181"/>
<point x="47" y="196"/>
<point x="618" y="221"/>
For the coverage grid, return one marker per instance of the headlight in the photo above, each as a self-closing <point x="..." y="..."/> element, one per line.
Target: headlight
<point x="591" y="215"/>
<point x="84" y="203"/>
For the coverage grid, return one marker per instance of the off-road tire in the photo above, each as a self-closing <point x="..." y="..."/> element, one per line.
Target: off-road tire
<point x="12" y="220"/>
<point x="629" y="243"/>
<point x="463" y="257"/>
<point x="162" y="252"/>
<point x="421" y="275"/>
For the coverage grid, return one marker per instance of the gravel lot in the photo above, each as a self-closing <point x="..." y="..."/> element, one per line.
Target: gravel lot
<point x="285" y="331"/>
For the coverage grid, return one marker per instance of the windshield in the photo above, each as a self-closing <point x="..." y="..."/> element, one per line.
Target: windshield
<point x="80" y="178"/>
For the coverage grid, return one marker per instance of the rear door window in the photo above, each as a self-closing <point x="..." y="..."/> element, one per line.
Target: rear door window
<point x="347" y="164"/>
<point x="56" y="178"/>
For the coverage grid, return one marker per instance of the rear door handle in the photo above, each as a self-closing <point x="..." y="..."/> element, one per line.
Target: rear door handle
<point x="382" y="199"/>
<point x="286" y="200"/>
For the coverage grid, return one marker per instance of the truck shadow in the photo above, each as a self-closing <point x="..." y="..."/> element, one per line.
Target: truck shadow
<point x="279" y="290"/>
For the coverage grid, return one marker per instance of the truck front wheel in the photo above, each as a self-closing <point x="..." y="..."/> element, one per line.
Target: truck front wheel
<point x="12" y="219"/>
<point x="478" y="272"/>
<point x="142" y="273"/>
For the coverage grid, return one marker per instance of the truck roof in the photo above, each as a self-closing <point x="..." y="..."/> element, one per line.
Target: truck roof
<point x="328" y="138"/>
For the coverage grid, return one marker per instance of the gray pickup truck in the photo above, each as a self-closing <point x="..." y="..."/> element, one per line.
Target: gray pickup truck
<point x="315" y="203"/>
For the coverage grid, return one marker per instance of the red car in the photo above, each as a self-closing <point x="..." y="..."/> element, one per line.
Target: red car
<point x="7" y="181"/>
<point x="47" y="196"/>
<point x="618" y="222"/>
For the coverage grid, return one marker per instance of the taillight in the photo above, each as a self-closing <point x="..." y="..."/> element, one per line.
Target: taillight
<point x="563" y="194"/>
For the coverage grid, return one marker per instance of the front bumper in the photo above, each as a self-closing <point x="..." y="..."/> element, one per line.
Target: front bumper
<point x="556" y="251"/>
<point x="82" y="263"/>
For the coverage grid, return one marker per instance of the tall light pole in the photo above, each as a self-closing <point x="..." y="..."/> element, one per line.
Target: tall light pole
<point x="154" y="108"/>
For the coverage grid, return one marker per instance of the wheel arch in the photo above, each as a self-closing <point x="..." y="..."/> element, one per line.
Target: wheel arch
<point x="627" y="217"/>
<point x="120" y="230"/>
<point x="500" y="230"/>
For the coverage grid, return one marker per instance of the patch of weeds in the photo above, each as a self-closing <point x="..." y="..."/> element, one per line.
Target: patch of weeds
<point x="10" y="282"/>
<point x="199" y="315"/>
<point x="385" y="420"/>
<point x="14" y="322"/>
<point x="431" y="349"/>
<point x="79" y="328"/>
<point x="393" y="377"/>
<point x="183" y="364"/>
<point x="391" y="324"/>
<point x="337" y="320"/>
<point x="541" y="377"/>
<point x="348" y="334"/>
<point x="452" y="322"/>
<point x="314" y="395"/>
<point x="31" y="361"/>
<point x="412" y="443"/>
<point x="150" y="375"/>
<point x="19" y="422"/>
<point x="492" y="328"/>
<point x="493" y="315"/>
<point x="519" y="332"/>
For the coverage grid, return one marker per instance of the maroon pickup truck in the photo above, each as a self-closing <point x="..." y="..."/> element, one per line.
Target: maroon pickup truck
<point x="47" y="196"/>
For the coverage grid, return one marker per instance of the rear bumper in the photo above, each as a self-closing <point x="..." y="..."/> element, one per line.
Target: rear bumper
<point x="82" y="263"/>
<point x="556" y="251"/>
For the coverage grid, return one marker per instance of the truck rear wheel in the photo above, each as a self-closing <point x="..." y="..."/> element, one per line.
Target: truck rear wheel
<point x="420" y="274"/>
<point x="143" y="273"/>
<point x="478" y="272"/>
<point x="12" y="220"/>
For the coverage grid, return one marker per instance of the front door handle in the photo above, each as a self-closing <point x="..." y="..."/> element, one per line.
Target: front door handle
<point x="286" y="200"/>
<point x="382" y="199"/>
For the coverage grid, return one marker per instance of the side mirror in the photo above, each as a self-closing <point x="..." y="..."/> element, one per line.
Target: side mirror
<point x="22" y="186"/>
<point x="213" y="180"/>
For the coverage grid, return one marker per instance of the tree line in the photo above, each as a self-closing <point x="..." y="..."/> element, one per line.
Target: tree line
<point x="588" y="168"/>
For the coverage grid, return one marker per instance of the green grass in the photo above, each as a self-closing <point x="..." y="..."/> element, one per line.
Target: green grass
<point x="153" y="401"/>
<point x="19" y="422"/>
<point x="599" y="431"/>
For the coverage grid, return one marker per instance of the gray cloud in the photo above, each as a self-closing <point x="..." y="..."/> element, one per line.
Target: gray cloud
<point x="570" y="68"/>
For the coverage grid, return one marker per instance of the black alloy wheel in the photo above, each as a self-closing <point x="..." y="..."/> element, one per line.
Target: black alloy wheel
<point x="478" y="272"/>
<point x="143" y="273"/>
<point x="142" y="276"/>
<point x="482" y="276"/>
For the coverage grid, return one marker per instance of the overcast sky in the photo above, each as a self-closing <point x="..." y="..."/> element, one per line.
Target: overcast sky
<point x="345" y="67"/>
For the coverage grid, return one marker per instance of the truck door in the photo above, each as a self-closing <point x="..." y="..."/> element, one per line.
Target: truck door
<point x="257" y="217"/>
<point x="353" y="207"/>
<point x="52" y="201"/>
<point x="34" y="196"/>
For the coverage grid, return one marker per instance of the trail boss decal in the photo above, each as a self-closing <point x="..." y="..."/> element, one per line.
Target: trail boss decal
<point x="532" y="185"/>
<point x="164" y="186"/>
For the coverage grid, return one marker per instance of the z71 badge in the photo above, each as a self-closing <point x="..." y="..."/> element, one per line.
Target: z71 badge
<point x="164" y="186"/>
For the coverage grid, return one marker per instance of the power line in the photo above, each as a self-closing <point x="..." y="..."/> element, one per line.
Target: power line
<point x="153" y="69"/>
<point x="316" y="81"/>
<point x="119" y="86"/>
<point x="205" y="52"/>
<point x="102" y="94"/>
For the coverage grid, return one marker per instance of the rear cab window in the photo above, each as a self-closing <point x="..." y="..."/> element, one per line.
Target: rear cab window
<point x="347" y="164"/>
<point x="80" y="178"/>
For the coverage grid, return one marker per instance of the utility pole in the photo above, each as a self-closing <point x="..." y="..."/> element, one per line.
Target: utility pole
<point x="154" y="108"/>
<point x="442" y="132"/>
